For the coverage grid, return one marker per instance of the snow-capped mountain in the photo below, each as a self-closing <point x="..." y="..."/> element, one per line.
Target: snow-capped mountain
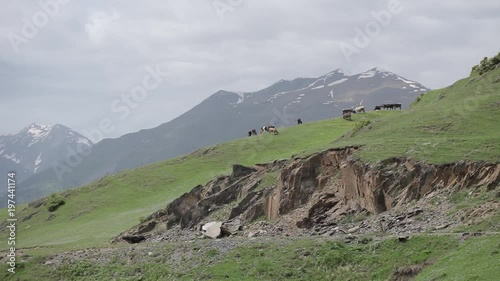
<point x="36" y="147"/>
<point x="325" y="97"/>
<point x="227" y="115"/>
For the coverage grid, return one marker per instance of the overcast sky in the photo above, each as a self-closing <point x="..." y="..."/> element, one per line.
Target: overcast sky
<point x="71" y="62"/>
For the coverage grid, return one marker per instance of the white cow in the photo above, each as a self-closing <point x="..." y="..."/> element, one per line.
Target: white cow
<point x="360" y="109"/>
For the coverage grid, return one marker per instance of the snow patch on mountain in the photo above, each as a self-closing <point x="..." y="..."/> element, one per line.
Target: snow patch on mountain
<point x="406" y="81"/>
<point x="368" y="74"/>
<point x="84" y="141"/>
<point x="39" y="131"/>
<point x="337" y="82"/>
<point x="38" y="161"/>
<point x="241" y="97"/>
<point x="339" y="71"/>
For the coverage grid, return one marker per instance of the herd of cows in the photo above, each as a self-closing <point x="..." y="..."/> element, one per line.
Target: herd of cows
<point x="346" y="115"/>
<point x="347" y="112"/>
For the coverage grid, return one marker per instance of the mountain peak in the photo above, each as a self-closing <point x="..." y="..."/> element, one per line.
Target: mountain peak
<point x="338" y="71"/>
<point x="36" y="146"/>
<point x="380" y="70"/>
<point x="36" y="131"/>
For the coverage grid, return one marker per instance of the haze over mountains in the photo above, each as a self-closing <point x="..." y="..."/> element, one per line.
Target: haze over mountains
<point x="223" y="116"/>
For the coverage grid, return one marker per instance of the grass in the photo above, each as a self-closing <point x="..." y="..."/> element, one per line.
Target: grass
<point x="95" y="213"/>
<point x="456" y="123"/>
<point x="440" y="257"/>
<point x="474" y="259"/>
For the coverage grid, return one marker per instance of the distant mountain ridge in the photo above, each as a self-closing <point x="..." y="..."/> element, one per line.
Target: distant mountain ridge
<point x="36" y="147"/>
<point x="227" y="115"/>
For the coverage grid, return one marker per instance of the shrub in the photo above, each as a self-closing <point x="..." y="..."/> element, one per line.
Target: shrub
<point x="487" y="64"/>
<point x="54" y="201"/>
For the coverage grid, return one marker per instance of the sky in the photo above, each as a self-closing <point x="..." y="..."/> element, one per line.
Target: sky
<point x="119" y="66"/>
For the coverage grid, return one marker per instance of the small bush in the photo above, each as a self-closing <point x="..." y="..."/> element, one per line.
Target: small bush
<point x="54" y="201"/>
<point x="487" y="64"/>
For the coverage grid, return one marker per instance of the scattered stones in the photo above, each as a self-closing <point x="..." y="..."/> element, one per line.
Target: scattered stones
<point x="311" y="199"/>
<point x="443" y="226"/>
<point x="350" y="239"/>
<point x="256" y="233"/>
<point x="354" y="229"/>
<point x="231" y="227"/>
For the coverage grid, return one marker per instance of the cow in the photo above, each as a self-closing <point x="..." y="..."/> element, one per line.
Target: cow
<point x="273" y="130"/>
<point x="391" y="106"/>
<point x="359" y="109"/>
<point x="267" y="129"/>
<point x="347" y="110"/>
<point x="299" y="121"/>
<point x="378" y="107"/>
<point x="347" y="116"/>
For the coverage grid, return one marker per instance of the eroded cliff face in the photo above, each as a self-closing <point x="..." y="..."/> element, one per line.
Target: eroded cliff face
<point x="319" y="190"/>
<point x="332" y="184"/>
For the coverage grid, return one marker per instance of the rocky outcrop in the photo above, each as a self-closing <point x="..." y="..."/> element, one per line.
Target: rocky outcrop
<point x="318" y="190"/>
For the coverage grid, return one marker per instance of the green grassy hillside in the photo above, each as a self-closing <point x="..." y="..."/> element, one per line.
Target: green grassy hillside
<point x="95" y="213"/>
<point x="460" y="122"/>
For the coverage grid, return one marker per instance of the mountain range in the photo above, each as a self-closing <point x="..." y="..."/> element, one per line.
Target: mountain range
<point x="223" y="116"/>
<point x="35" y="148"/>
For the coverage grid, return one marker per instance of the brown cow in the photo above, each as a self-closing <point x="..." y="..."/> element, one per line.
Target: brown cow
<point x="347" y="116"/>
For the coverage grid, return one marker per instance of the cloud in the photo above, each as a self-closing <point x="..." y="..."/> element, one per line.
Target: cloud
<point x="92" y="52"/>
<point x="99" y="25"/>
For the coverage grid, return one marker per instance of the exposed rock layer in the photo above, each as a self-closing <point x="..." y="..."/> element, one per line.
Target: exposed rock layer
<point x="318" y="190"/>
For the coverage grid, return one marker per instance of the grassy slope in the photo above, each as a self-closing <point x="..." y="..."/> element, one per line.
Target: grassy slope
<point x="95" y="213"/>
<point x="447" y="125"/>
<point x="460" y="122"/>
<point x="442" y="258"/>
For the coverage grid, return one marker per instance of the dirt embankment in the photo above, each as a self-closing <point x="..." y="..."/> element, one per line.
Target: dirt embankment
<point x="325" y="193"/>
